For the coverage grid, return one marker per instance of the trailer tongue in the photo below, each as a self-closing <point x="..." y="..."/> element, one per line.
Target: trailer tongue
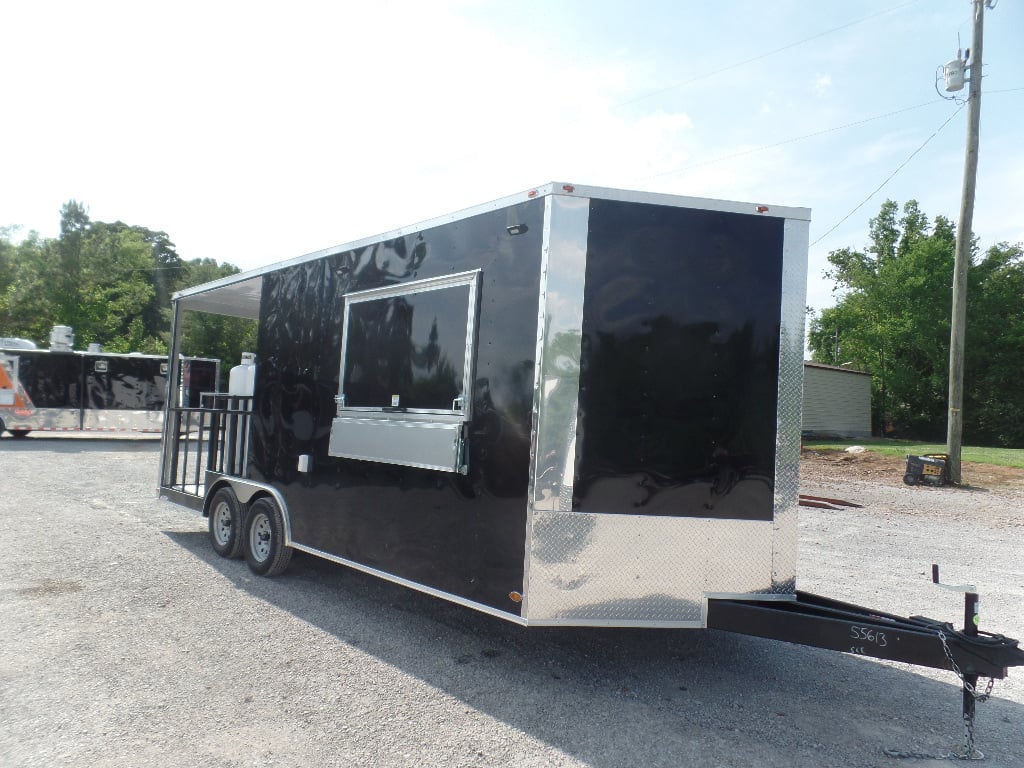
<point x="836" y="626"/>
<point x="824" y="623"/>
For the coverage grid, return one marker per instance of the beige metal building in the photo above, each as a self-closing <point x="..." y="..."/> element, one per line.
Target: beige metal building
<point x="837" y="401"/>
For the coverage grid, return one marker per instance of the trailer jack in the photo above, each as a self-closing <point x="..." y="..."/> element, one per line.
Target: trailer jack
<point x="824" y="623"/>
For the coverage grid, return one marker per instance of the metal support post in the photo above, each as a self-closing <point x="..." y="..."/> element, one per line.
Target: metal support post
<point x="958" y="321"/>
<point x="970" y="683"/>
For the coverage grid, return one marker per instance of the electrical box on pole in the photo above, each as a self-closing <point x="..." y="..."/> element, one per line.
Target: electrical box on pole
<point x="953" y="71"/>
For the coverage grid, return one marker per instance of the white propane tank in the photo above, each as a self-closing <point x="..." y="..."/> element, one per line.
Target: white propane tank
<point x="954" y="74"/>
<point x="242" y="379"/>
<point x="95" y="348"/>
<point x="62" y="338"/>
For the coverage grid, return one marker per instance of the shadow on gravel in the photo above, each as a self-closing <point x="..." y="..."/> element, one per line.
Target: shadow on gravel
<point x="614" y="697"/>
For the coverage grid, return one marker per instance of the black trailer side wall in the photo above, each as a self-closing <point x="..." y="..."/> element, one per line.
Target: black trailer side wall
<point x="51" y="379"/>
<point x="94" y="382"/>
<point x="679" y="362"/>
<point x="125" y="382"/>
<point x="464" y="535"/>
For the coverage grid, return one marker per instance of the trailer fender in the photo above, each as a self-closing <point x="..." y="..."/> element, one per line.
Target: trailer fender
<point x="247" y="492"/>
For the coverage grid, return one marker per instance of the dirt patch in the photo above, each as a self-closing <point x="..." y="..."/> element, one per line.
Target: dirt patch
<point x="818" y="464"/>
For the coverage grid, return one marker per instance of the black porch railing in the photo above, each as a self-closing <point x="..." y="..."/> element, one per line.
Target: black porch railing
<point x="213" y="437"/>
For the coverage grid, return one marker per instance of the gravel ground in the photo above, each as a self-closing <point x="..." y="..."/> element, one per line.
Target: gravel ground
<point x="125" y="641"/>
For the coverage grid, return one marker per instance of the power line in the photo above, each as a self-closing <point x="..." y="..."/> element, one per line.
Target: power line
<point x="651" y="94"/>
<point x="890" y="177"/>
<point x="760" y="56"/>
<point x="763" y="147"/>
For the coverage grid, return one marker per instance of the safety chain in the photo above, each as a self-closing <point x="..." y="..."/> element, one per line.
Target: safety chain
<point x="971" y="689"/>
<point x="968" y="751"/>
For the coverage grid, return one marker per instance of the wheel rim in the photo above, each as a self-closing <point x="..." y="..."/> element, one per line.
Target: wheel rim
<point x="260" y="537"/>
<point x="222" y="523"/>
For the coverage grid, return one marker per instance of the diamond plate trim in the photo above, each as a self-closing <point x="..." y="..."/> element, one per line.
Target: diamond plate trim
<point x="632" y="569"/>
<point x="790" y="405"/>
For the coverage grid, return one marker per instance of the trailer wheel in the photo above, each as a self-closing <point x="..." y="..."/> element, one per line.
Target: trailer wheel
<point x="20" y="433"/>
<point x="265" y="550"/>
<point x="227" y="514"/>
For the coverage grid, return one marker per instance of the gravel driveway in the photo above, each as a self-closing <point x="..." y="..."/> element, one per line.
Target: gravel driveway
<point x="126" y="642"/>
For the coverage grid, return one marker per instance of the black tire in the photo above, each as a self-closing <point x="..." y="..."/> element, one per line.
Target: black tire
<point x="20" y="433"/>
<point x="226" y="516"/>
<point x="263" y="542"/>
<point x="910" y="479"/>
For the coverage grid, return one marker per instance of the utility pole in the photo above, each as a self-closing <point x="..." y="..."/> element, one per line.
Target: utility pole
<point x="955" y="422"/>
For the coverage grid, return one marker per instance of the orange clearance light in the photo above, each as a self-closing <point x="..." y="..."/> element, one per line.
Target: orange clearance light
<point x="515" y="597"/>
<point x="532" y="193"/>
<point x="568" y="188"/>
<point x="762" y="209"/>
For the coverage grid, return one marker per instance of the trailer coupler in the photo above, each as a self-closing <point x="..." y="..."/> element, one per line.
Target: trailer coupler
<point x="824" y="623"/>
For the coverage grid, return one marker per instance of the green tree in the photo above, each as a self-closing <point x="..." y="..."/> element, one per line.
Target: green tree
<point x="113" y="284"/>
<point x="74" y="224"/>
<point x="994" y="349"/>
<point x="27" y="294"/>
<point x="892" y="319"/>
<point x="115" y="275"/>
<point x="166" y="273"/>
<point x="6" y="259"/>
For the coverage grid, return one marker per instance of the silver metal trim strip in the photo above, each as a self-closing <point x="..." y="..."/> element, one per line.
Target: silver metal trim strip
<point x="682" y="201"/>
<point x="542" y="190"/>
<point x="424" y="416"/>
<point x="422" y="443"/>
<point x="491" y="611"/>
<point x="415" y="286"/>
<point x="557" y="369"/>
<point x="625" y="624"/>
<point x="251" y="488"/>
<point x="545" y="254"/>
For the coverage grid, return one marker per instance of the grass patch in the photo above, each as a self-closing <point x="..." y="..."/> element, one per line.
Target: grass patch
<point x="1000" y="457"/>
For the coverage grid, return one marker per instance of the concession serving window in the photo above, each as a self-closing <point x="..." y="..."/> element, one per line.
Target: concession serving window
<point x="407" y="355"/>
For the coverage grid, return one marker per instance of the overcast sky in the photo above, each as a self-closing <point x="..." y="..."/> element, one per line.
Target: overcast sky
<point x="255" y="132"/>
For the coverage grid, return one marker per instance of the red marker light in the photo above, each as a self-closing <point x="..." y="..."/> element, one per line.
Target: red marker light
<point x="762" y="209"/>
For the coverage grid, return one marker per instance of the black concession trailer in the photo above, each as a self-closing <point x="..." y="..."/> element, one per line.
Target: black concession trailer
<point x="63" y="390"/>
<point x="572" y="406"/>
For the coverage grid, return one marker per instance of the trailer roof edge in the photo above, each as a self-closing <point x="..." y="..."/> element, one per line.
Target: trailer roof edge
<point x="544" y="190"/>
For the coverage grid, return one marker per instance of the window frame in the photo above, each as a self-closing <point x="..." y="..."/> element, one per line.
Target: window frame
<point x="471" y="279"/>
